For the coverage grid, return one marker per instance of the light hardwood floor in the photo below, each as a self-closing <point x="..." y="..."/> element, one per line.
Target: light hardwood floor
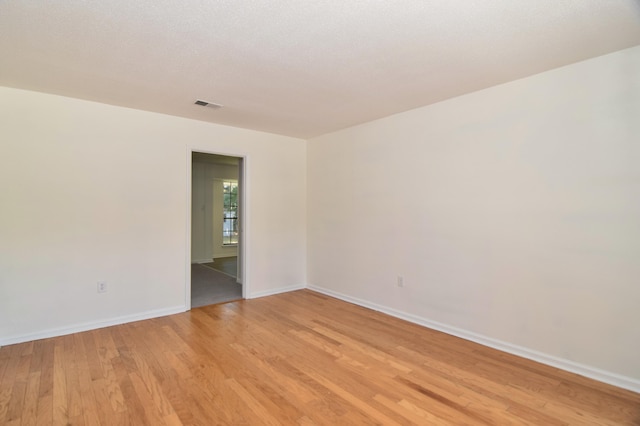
<point x="295" y="358"/>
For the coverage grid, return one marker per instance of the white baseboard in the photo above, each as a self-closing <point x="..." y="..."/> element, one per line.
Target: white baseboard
<point x="202" y="260"/>
<point x="92" y="325"/>
<point x="563" y="364"/>
<point x="276" y="291"/>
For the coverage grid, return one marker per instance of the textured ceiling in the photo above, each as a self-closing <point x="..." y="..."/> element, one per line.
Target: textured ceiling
<point x="297" y="67"/>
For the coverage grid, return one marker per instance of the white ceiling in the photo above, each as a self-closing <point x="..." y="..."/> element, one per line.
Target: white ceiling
<point x="297" y="67"/>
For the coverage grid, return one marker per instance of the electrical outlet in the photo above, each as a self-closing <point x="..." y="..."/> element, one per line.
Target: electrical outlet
<point x="400" y="282"/>
<point x="102" y="286"/>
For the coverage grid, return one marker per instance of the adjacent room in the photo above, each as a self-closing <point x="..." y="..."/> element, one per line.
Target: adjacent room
<point x="215" y="229"/>
<point x="271" y="212"/>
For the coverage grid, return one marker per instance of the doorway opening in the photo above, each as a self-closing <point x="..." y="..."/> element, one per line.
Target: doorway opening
<point x="216" y="266"/>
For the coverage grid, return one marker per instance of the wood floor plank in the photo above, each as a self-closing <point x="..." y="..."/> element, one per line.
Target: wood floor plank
<point x="71" y="366"/>
<point x="410" y="415"/>
<point x="60" y="402"/>
<point x="289" y="387"/>
<point x="147" y="404"/>
<point x="295" y="358"/>
<point x="10" y="372"/>
<point x="30" y="406"/>
<point x="108" y="355"/>
<point x="474" y="407"/>
<point x="253" y="405"/>
<point x="358" y="402"/>
<point x="44" y="415"/>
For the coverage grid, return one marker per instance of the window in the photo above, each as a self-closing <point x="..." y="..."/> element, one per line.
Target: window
<point x="230" y="222"/>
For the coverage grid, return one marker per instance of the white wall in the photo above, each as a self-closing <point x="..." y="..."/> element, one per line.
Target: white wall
<point x="512" y="213"/>
<point x="95" y="192"/>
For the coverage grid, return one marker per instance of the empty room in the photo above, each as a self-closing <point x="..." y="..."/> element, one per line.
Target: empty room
<point x="320" y="213"/>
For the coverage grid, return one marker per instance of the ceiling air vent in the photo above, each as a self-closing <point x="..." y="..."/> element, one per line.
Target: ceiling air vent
<point x="207" y="104"/>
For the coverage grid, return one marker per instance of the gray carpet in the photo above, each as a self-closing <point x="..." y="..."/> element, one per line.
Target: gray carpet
<point x="228" y="265"/>
<point x="209" y="286"/>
